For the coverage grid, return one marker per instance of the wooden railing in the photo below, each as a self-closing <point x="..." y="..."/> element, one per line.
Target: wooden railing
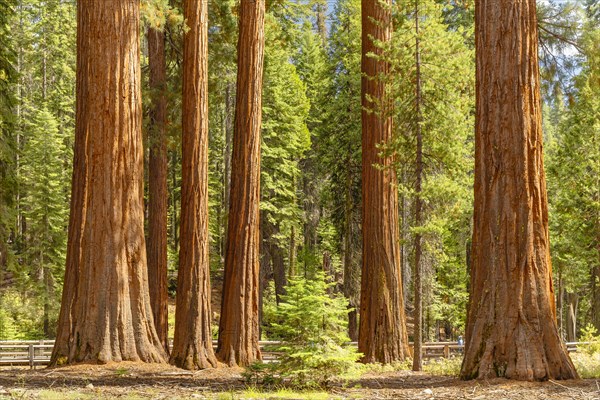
<point x="37" y="352"/>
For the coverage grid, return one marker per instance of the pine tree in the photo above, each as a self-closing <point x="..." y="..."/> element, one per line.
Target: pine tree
<point x="433" y="79"/>
<point x="8" y="79"/>
<point x="285" y="140"/>
<point x="44" y="178"/>
<point x="338" y="148"/>
<point x="574" y="192"/>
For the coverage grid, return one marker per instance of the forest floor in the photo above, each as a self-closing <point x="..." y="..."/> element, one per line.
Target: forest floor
<point x="142" y="381"/>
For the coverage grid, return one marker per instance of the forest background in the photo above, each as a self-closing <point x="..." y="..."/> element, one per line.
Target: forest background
<point x="311" y="151"/>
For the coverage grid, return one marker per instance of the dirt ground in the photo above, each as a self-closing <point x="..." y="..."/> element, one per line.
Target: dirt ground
<point x="142" y="381"/>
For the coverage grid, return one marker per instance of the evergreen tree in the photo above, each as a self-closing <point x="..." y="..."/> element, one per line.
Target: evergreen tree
<point x="338" y="149"/>
<point x="433" y="83"/>
<point x="574" y="192"/>
<point x="8" y="79"/>
<point x="313" y="328"/>
<point x="285" y="140"/>
<point x="44" y="178"/>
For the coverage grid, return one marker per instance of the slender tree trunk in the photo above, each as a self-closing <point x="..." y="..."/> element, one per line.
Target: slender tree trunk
<point x="292" y="253"/>
<point x="405" y="267"/>
<point x="175" y="220"/>
<point x="238" y="330"/>
<point x="321" y="13"/>
<point x="596" y="296"/>
<point x="351" y="274"/>
<point x="572" y="303"/>
<point x="382" y="336"/>
<point x="106" y="314"/>
<point x="274" y="255"/>
<point x="157" y="187"/>
<point x="560" y="304"/>
<point x="192" y="345"/>
<point x="227" y="161"/>
<point x="511" y="324"/>
<point x="418" y="316"/>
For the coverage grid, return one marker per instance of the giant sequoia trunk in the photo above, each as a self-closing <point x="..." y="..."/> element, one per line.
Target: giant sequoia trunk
<point x="157" y="187"/>
<point x="105" y="314"/>
<point x="192" y="345"/>
<point x="511" y="329"/>
<point x="239" y="326"/>
<point x="382" y="332"/>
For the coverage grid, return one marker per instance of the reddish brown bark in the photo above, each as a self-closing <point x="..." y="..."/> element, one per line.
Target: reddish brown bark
<point x="382" y="332"/>
<point x="105" y="314"/>
<point x="239" y="326"/>
<point x="156" y="249"/>
<point x="192" y="345"/>
<point x="511" y="329"/>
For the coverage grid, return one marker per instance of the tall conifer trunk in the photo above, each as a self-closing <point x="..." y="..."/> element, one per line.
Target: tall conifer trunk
<point x="418" y="275"/>
<point x="511" y="323"/>
<point x="382" y="331"/>
<point x="239" y="326"/>
<point x="157" y="186"/>
<point x="192" y="345"/>
<point x="106" y="314"/>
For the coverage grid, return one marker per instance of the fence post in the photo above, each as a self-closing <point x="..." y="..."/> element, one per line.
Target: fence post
<point x="446" y="351"/>
<point x="31" y="355"/>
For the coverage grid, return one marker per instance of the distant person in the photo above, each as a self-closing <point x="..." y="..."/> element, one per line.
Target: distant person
<point x="461" y="343"/>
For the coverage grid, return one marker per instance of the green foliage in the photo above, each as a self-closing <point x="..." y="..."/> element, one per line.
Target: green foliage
<point x="443" y="366"/>
<point x="446" y="122"/>
<point x="8" y="184"/>
<point x="44" y="181"/>
<point x="338" y="145"/>
<point x="572" y="136"/>
<point x="590" y="340"/>
<point x="21" y="318"/>
<point x="36" y="148"/>
<point x="160" y="14"/>
<point x="312" y="326"/>
<point x="285" y="139"/>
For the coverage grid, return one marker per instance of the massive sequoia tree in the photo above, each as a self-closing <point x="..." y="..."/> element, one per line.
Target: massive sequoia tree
<point x="239" y="326"/>
<point x="511" y="323"/>
<point x="105" y="314"/>
<point x="157" y="186"/>
<point x="382" y="333"/>
<point x="192" y="346"/>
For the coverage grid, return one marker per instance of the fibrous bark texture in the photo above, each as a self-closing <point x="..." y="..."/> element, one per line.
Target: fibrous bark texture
<point x="511" y="323"/>
<point x="382" y="332"/>
<point x="192" y="345"/>
<point x="157" y="187"/>
<point x="106" y="314"/>
<point x="239" y="326"/>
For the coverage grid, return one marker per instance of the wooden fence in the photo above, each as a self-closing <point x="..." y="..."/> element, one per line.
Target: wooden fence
<point x="37" y="352"/>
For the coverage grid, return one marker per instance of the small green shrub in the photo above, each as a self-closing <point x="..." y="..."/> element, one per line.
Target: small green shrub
<point x="260" y="373"/>
<point x="591" y="339"/>
<point x="312" y="326"/>
<point x="587" y="365"/>
<point x="443" y="366"/>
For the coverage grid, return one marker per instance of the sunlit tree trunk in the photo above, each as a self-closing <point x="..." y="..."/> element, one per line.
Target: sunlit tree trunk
<point x="511" y="329"/>
<point x="382" y="331"/>
<point x="192" y="345"/>
<point x="239" y="326"/>
<point x="106" y="314"/>
<point x="418" y="275"/>
<point x="157" y="186"/>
